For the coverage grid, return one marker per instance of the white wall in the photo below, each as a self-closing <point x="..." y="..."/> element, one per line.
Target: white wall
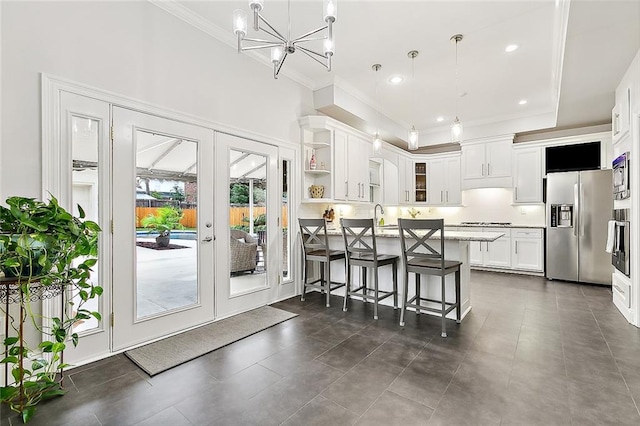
<point x="133" y="49"/>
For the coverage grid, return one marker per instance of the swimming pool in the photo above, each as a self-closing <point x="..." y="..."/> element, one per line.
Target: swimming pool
<point x="175" y="235"/>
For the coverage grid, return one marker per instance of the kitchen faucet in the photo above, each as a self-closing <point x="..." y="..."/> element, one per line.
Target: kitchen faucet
<point x="375" y="216"/>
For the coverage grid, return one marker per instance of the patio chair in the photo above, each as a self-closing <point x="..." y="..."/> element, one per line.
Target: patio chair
<point x="243" y="250"/>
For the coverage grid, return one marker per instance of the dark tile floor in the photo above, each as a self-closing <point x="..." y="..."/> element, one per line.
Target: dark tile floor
<point x="531" y="352"/>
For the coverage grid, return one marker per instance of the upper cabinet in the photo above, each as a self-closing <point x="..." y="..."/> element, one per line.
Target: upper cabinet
<point x="406" y="187"/>
<point x="444" y="180"/>
<point x="527" y="175"/>
<point x="341" y="166"/>
<point x="487" y="163"/>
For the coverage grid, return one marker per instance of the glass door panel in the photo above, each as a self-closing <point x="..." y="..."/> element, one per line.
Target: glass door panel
<point x="248" y="188"/>
<point x="85" y="135"/>
<point x="284" y="221"/>
<point x="166" y="224"/>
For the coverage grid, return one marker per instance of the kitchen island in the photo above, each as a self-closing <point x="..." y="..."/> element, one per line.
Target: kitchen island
<point x="388" y="242"/>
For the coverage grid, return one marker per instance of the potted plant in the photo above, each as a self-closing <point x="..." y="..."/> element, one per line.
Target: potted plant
<point x="165" y="219"/>
<point x="44" y="251"/>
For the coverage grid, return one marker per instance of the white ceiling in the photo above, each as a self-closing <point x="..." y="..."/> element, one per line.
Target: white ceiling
<point x="570" y="58"/>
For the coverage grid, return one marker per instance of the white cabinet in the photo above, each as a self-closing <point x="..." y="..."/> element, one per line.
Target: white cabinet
<point x="527" y="175"/>
<point x="406" y="190"/>
<point x="527" y="246"/>
<point x="340" y="166"/>
<point x="495" y="254"/>
<point x="444" y="181"/>
<point x="487" y="164"/>
<point x="342" y="161"/>
<point x="390" y="184"/>
<point x="357" y="168"/>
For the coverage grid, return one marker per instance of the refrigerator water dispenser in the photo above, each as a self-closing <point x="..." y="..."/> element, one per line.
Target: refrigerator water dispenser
<point x="562" y="215"/>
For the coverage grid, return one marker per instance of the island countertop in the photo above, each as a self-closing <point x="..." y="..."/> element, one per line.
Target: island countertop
<point x="448" y="235"/>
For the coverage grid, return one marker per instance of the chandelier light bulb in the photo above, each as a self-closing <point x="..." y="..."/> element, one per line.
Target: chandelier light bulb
<point x="456" y="130"/>
<point x="240" y="22"/>
<point x="330" y="10"/>
<point x="328" y="47"/>
<point x="256" y="4"/>
<point x="276" y="54"/>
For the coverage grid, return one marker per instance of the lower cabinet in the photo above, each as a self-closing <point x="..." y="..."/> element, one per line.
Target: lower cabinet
<point x="519" y="249"/>
<point x="527" y="250"/>
<point x="496" y="254"/>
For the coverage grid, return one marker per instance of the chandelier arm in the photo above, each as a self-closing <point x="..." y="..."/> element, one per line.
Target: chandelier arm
<point x="273" y="35"/>
<point x="259" y="40"/>
<point x="309" y="52"/>
<point x="277" y="69"/>
<point x="266" y="46"/>
<point x="279" y="36"/>
<point x="317" y="30"/>
<point x="309" y="39"/>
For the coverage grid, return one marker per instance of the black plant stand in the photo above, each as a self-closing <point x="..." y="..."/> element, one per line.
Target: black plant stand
<point x="12" y="291"/>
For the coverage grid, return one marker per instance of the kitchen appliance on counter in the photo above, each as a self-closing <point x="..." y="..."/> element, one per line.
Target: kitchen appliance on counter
<point x="579" y="206"/>
<point x="620" y="254"/>
<point x="621" y="177"/>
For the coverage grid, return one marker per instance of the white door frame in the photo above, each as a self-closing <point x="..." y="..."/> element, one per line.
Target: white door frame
<point x="53" y="174"/>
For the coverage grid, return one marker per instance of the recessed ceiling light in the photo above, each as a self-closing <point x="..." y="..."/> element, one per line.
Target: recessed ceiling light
<point x="396" y="79"/>
<point x="522" y="102"/>
<point x="511" y="48"/>
<point x="439" y="119"/>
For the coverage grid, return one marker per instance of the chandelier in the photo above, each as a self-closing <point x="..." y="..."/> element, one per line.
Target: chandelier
<point x="281" y="45"/>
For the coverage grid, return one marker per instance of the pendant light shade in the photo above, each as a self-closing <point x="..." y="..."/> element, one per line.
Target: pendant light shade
<point x="456" y="130"/>
<point x="413" y="139"/>
<point x="377" y="144"/>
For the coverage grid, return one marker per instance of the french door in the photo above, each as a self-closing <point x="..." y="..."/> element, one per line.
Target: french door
<point x="162" y="187"/>
<point x="248" y="265"/>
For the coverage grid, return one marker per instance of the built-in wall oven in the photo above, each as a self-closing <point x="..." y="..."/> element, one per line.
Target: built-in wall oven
<point x="621" y="177"/>
<point x="620" y="255"/>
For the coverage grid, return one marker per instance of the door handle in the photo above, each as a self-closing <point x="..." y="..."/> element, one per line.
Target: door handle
<point x="346" y="188"/>
<point x="441" y="196"/>
<point x="576" y="209"/>
<point x="488" y="169"/>
<point x="207" y="239"/>
<point x="447" y="199"/>
<point x="516" y="188"/>
<point x="482" y="169"/>
<point x="516" y="247"/>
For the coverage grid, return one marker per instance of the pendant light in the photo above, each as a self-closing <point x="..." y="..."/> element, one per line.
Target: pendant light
<point x="413" y="133"/>
<point x="377" y="142"/>
<point x="456" y="126"/>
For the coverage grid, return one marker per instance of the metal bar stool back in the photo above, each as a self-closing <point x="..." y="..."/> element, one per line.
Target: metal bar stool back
<point x="422" y="242"/>
<point x="361" y="250"/>
<point x="315" y="248"/>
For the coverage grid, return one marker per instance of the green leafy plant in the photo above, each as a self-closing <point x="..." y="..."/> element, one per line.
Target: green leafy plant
<point x="45" y="250"/>
<point x="166" y="219"/>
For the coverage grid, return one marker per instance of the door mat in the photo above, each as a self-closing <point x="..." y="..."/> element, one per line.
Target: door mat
<point x="167" y="353"/>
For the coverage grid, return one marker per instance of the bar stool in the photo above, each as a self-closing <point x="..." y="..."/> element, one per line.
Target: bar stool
<point x="422" y="257"/>
<point x="315" y="248"/>
<point x="360" y="248"/>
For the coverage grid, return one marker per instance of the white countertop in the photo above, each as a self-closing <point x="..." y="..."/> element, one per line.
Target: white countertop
<point x="448" y="235"/>
<point x="467" y="225"/>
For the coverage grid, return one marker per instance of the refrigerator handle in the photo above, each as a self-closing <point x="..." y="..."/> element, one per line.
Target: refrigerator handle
<point x="580" y="221"/>
<point x="576" y="209"/>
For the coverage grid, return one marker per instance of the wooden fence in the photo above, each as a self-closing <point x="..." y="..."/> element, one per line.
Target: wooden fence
<point x="190" y="219"/>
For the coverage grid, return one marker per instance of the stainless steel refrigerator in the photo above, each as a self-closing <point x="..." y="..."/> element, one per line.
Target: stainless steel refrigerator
<point x="579" y="206"/>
